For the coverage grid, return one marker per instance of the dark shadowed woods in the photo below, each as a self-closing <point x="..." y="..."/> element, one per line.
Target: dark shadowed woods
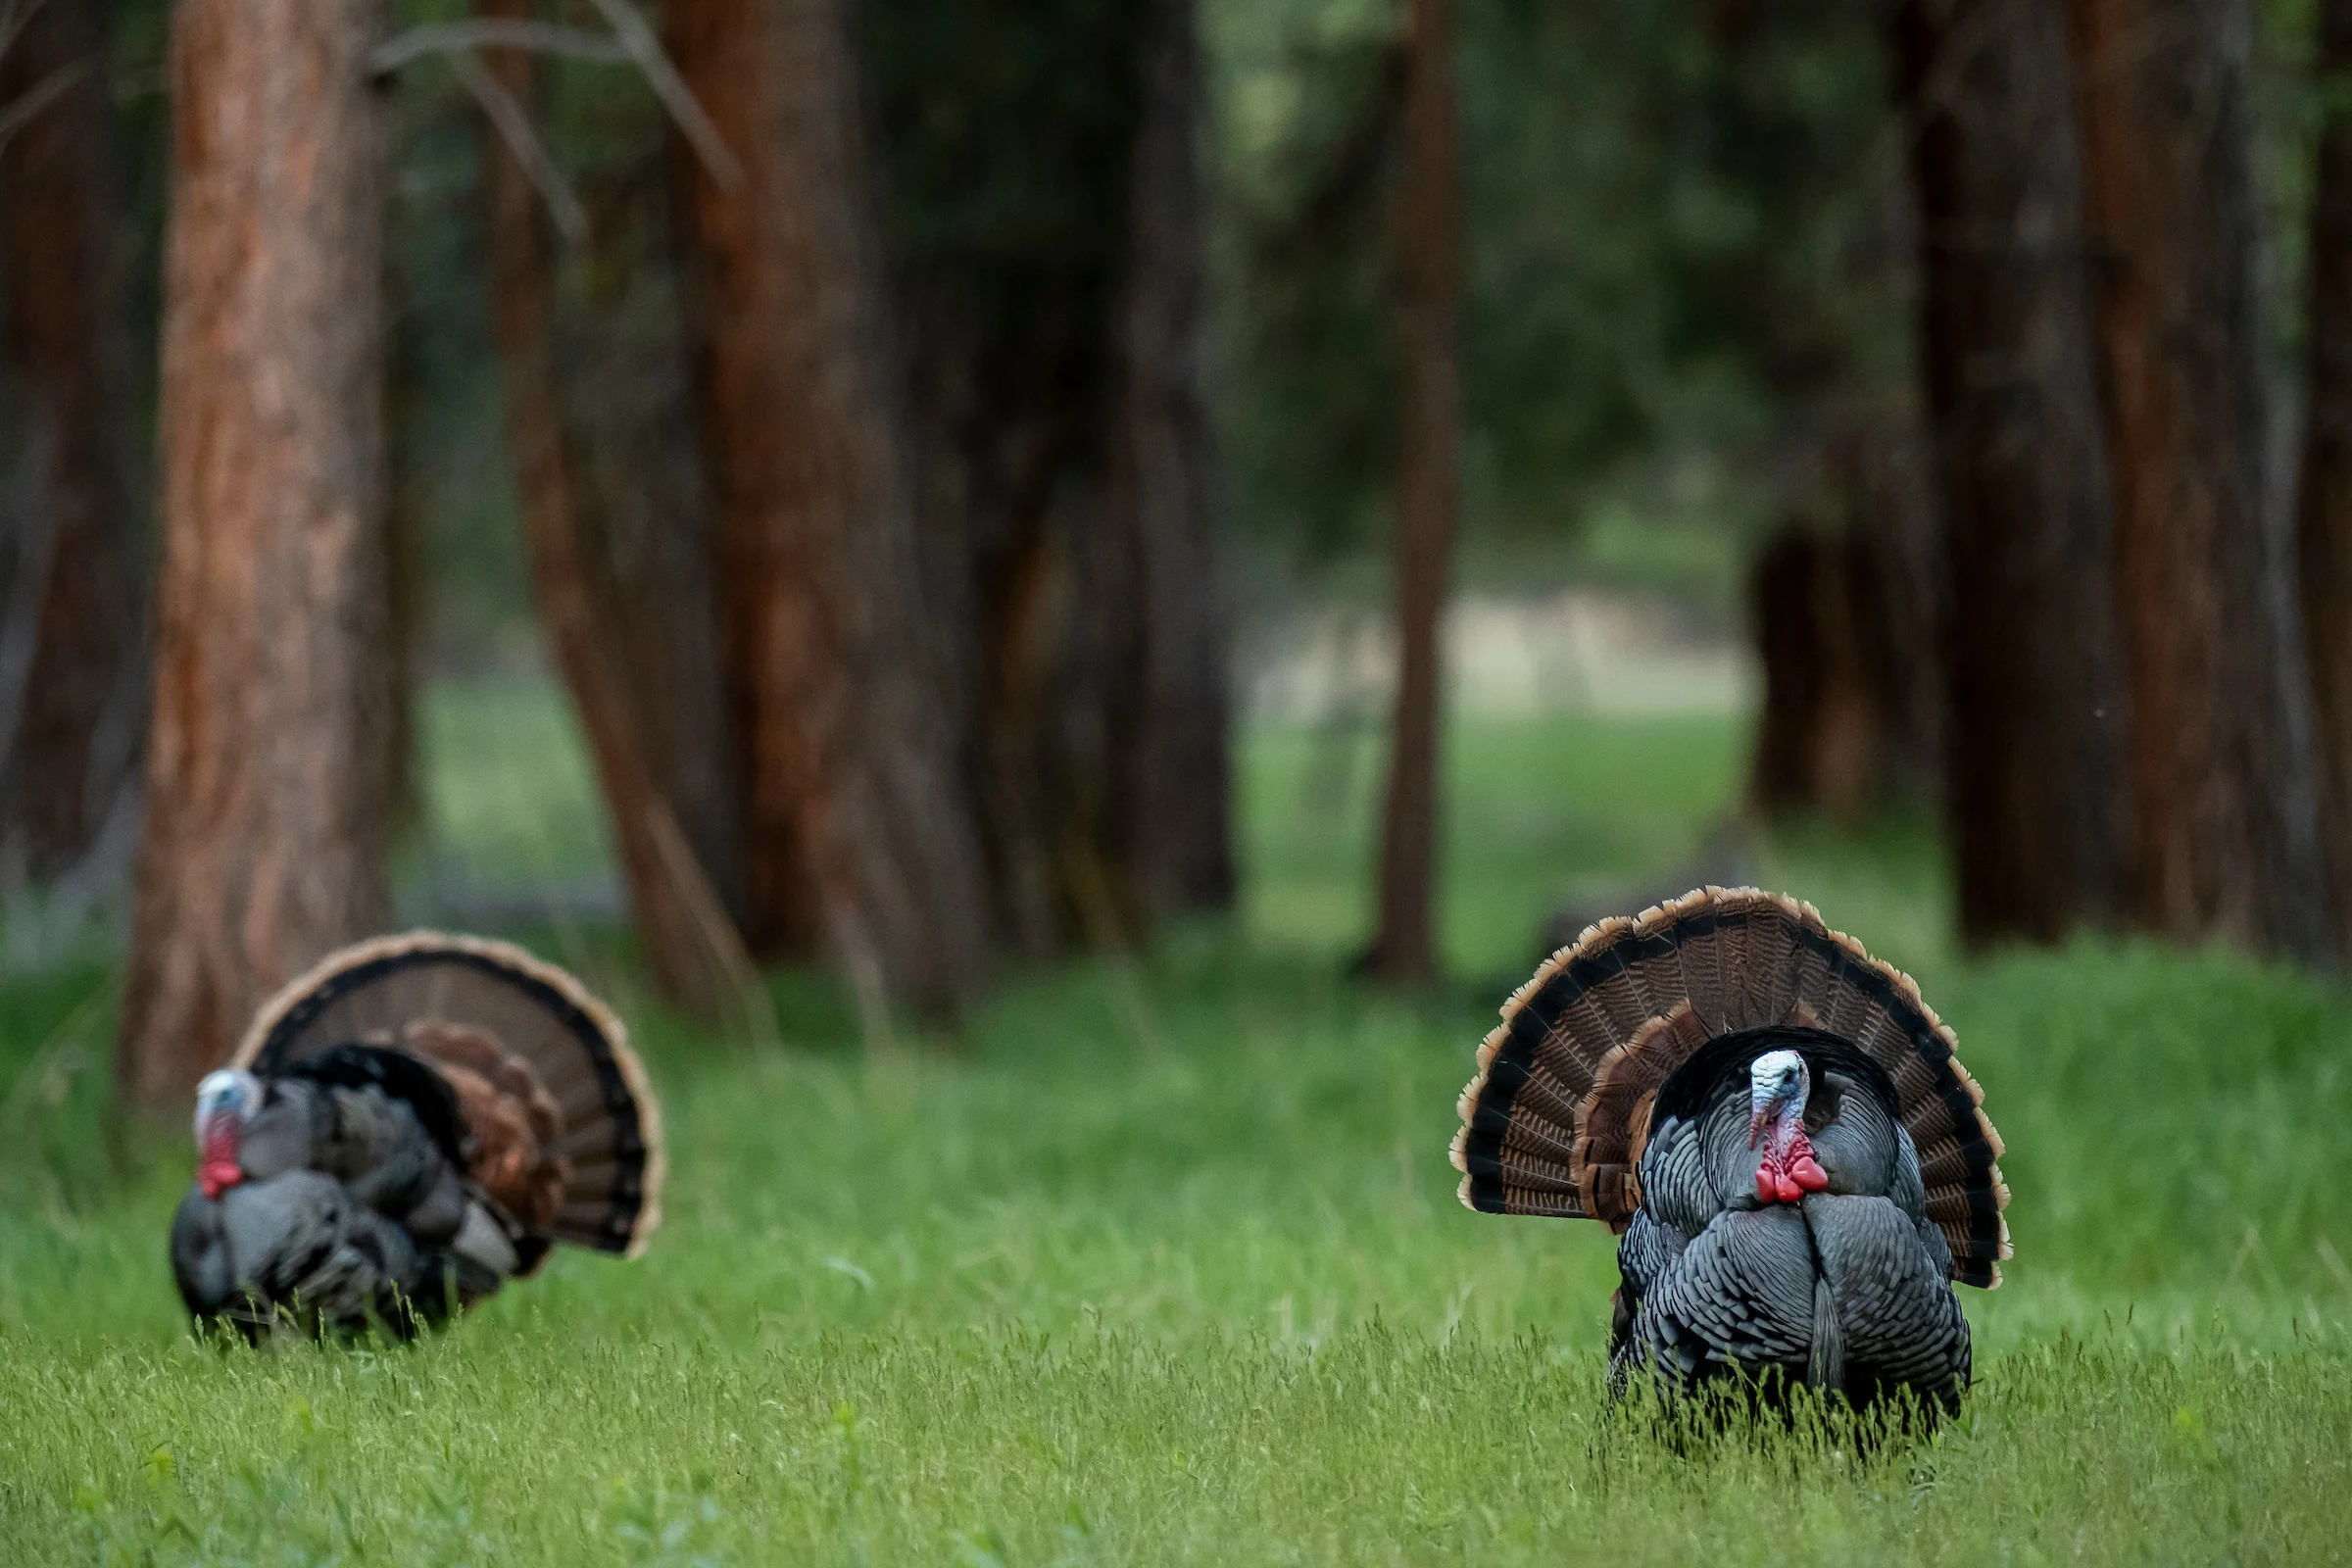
<point x="2220" y="783"/>
<point x="71" y="669"/>
<point x="2036" y="764"/>
<point x="2323" y="507"/>
<point x="1429" y="478"/>
<point x="689" y="937"/>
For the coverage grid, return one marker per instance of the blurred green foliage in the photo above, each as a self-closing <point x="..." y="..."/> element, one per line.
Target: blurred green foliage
<point x="1687" y="268"/>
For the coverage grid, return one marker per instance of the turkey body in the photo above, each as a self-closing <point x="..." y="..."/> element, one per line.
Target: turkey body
<point x="1849" y="1290"/>
<point x="348" y="1211"/>
<point x="404" y="1129"/>
<point x="1776" y="1125"/>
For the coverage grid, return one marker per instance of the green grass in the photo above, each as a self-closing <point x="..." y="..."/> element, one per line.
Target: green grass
<point x="1102" y="1282"/>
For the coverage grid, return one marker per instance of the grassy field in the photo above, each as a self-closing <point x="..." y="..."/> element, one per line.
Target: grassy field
<point x="1163" y="1264"/>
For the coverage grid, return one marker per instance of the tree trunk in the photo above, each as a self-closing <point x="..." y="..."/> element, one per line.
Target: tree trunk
<point x="689" y="943"/>
<point x="1173" y="754"/>
<point x="63" y="204"/>
<point x="2323" y="521"/>
<point x="1016" y="412"/>
<point x="267" y="768"/>
<point x="857" y="821"/>
<point x="1824" y="640"/>
<point x="1428" y="489"/>
<point x="2038" y="811"/>
<point x="2218" y="763"/>
<point x="1049" y="241"/>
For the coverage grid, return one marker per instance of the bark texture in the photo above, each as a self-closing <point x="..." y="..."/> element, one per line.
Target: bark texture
<point x="2219" y="748"/>
<point x="2035" y="796"/>
<point x="690" y="943"/>
<point x="70" y="638"/>
<point x="858" y="827"/>
<point x="1170" y="728"/>
<point x="1428" y="488"/>
<point x="2324" y="520"/>
<point x="1827" y="648"/>
<point x="268" y="766"/>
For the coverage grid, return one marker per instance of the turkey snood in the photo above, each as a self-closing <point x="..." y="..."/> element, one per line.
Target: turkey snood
<point x="222" y="1103"/>
<point x="1777" y="1086"/>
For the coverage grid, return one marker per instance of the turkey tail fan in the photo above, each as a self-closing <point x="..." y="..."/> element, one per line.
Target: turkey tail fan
<point x="1555" y="1121"/>
<point x="567" y="1131"/>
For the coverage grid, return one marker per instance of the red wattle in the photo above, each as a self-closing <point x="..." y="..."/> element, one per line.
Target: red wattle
<point x="217" y="1168"/>
<point x="218" y="1176"/>
<point x="1767" y="1184"/>
<point x="1807" y="1173"/>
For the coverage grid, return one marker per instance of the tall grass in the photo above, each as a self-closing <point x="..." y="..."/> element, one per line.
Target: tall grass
<point x="1163" y="1264"/>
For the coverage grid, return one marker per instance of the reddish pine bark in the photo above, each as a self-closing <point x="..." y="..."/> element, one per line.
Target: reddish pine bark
<point x="2324" y="520"/>
<point x="858" y="827"/>
<point x="268" y="768"/>
<point x="689" y="943"/>
<point x="1428" y="489"/>
<point x="63" y="201"/>
<point x="2220" y="788"/>
<point x="2036" y="798"/>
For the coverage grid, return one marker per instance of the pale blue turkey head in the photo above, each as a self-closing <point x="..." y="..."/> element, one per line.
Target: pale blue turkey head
<point x="225" y="1101"/>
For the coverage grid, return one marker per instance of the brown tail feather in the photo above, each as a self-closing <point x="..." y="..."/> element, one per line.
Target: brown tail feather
<point x="1583" y="1045"/>
<point x="570" y="1120"/>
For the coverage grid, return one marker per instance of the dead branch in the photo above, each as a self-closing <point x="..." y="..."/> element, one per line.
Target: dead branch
<point x="20" y="114"/>
<point x="631" y="42"/>
<point x="637" y="37"/>
<point x="13" y="18"/>
<point x="467" y="37"/>
<point x="513" y="127"/>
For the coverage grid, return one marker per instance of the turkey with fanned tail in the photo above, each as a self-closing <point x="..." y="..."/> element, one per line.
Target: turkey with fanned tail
<point x="1775" y="1126"/>
<point x="404" y="1128"/>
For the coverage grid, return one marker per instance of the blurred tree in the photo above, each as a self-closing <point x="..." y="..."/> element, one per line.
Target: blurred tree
<point x="1171" y="721"/>
<point x="691" y="946"/>
<point x="268" y="771"/>
<point x="2038" y="812"/>
<point x="1046" y="226"/>
<point x="2323" y="521"/>
<point x="1826" y="636"/>
<point x="1006" y="124"/>
<point x="71" y="644"/>
<point x="625" y="372"/>
<point x="2220" y="774"/>
<point x="858" y="828"/>
<point x="1428" y="486"/>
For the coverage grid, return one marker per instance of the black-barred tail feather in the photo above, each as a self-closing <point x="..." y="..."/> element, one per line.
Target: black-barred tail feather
<point x="1557" y="1120"/>
<point x="566" y="1132"/>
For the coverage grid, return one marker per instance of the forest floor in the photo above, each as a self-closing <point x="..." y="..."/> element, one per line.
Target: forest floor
<point x="1161" y="1263"/>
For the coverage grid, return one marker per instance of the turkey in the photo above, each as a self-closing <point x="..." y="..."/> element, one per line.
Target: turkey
<point x="1775" y="1126"/>
<point x="404" y="1128"/>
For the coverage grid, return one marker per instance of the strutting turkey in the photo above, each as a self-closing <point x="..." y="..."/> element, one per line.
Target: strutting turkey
<point x="406" y="1127"/>
<point x="1775" y="1124"/>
